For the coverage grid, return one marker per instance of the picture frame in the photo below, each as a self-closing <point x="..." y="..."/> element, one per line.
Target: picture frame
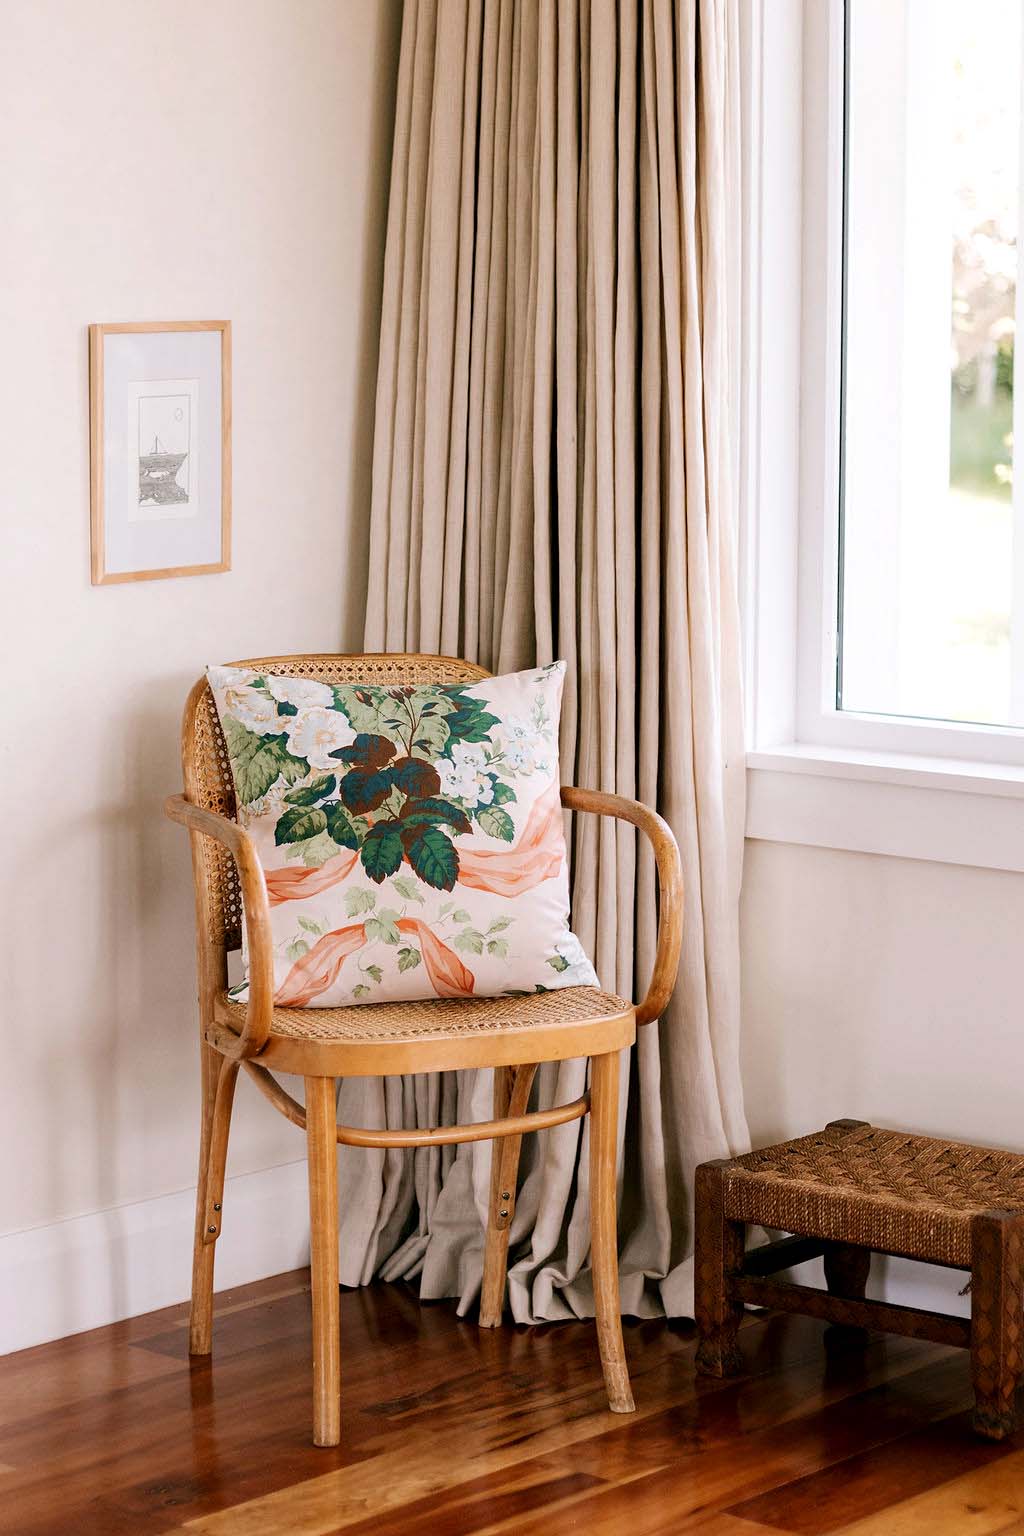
<point x="160" y="449"/>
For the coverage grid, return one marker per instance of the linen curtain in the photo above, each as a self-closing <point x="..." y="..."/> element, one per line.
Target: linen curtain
<point x="552" y="477"/>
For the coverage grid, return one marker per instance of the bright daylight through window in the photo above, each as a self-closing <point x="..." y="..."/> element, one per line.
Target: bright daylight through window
<point x="932" y="614"/>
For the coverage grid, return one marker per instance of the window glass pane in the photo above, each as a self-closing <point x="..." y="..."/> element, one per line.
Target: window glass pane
<point x="932" y="613"/>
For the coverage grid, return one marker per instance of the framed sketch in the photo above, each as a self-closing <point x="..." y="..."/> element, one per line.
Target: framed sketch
<point x="160" y="440"/>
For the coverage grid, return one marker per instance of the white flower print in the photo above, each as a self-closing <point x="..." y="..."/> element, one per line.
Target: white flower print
<point x="315" y="733"/>
<point x="464" y="776"/>
<point x="523" y="749"/>
<point x="253" y="709"/>
<point x="229" y="677"/>
<point x="303" y="692"/>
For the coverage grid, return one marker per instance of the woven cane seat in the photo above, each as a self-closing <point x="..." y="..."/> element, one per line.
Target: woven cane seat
<point x="436" y="1019"/>
<point x="886" y="1190"/>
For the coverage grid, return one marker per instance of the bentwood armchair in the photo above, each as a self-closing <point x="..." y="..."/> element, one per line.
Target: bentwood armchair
<point x="511" y="1034"/>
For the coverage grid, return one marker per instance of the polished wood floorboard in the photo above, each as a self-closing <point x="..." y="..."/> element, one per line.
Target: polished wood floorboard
<point x="449" y="1430"/>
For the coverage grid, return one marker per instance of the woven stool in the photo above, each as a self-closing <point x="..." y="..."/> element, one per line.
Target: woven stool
<point x="847" y="1192"/>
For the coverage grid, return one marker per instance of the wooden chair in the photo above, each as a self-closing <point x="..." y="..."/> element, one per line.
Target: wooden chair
<point x="510" y="1034"/>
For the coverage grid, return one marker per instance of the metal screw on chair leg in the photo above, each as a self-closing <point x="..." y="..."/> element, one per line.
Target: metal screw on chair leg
<point x="211" y="1229"/>
<point x="216" y="1206"/>
<point x="506" y="1194"/>
<point x="503" y="1213"/>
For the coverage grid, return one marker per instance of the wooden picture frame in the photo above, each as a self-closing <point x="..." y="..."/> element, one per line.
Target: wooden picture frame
<point x="167" y="511"/>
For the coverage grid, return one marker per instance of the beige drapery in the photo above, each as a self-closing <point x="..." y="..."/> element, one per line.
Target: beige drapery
<point x="552" y="477"/>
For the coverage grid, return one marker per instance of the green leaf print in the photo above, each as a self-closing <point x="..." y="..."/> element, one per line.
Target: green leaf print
<point x="367" y="751"/>
<point x="470" y="941"/>
<point x="311" y="793"/>
<point x="558" y="962"/>
<point x="504" y="794"/>
<point x="364" y="789"/>
<point x="381" y="853"/>
<point x="314" y="851"/>
<point x="341" y="825"/>
<point x="497" y="947"/>
<point x="357" y="901"/>
<point x="408" y="959"/>
<point x="298" y="823"/>
<point x="496" y="823"/>
<point x="415" y="777"/>
<point x="433" y="857"/>
<point x="433" y="812"/>
<point x="407" y="888"/>
<point x="381" y="928"/>
<point x="430" y="737"/>
<point x="258" y="761"/>
<point x="374" y="971"/>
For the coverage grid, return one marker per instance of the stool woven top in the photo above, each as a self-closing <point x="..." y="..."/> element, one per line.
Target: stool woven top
<point x="887" y="1190"/>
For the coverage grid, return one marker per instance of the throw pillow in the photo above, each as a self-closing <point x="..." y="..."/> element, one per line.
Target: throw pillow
<point x="411" y="837"/>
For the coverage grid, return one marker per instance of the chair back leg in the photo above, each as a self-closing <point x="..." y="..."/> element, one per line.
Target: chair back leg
<point x="218" y="1078"/>
<point x="511" y="1094"/>
<point x="604" y="1243"/>
<point x="322" y="1152"/>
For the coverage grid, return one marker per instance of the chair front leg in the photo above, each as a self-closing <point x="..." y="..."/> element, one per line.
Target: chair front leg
<point x="604" y="1241"/>
<point x="218" y="1091"/>
<point x="322" y="1153"/>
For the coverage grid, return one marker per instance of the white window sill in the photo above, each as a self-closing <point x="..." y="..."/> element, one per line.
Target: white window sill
<point x="940" y="809"/>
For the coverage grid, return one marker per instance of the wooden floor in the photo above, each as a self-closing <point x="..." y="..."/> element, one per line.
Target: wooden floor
<point x="449" y="1429"/>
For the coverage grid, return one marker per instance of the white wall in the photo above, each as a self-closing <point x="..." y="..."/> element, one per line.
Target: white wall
<point x="221" y="159"/>
<point x="887" y="990"/>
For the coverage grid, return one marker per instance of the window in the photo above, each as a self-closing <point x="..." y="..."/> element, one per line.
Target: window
<point x="931" y="586"/>
<point x="881" y="546"/>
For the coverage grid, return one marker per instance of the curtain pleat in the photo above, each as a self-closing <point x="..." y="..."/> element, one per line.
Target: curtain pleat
<point x="553" y="475"/>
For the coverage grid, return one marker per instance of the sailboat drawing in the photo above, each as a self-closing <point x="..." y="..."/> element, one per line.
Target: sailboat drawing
<point x="158" y="471"/>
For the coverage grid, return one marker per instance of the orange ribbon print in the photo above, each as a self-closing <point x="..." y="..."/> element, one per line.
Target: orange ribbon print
<point x="318" y="969"/>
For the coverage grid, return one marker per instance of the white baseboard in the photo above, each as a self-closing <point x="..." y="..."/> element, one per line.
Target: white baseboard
<point x="97" y="1269"/>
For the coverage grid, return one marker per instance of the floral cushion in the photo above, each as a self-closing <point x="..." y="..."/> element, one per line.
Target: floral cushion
<point x="411" y="837"/>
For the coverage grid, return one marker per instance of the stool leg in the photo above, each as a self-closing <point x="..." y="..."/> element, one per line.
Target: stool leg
<point x="846" y="1270"/>
<point x="718" y="1256"/>
<point x="846" y="1274"/>
<point x="997" y="1319"/>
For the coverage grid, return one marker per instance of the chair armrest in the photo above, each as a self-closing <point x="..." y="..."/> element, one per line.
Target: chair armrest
<point x="256" y="1030"/>
<point x="670" y="886"/>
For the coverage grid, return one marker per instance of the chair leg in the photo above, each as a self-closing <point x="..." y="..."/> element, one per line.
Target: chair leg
<point x="511" y="1094"/>
<point x="997" y="1320"/>
<point x="492" y="1289"/>
<point x="717" y="1257"/>
<point x="218" y="1091"/>
<point x="322" y="1153"/>
<point x="604" y="1240"/>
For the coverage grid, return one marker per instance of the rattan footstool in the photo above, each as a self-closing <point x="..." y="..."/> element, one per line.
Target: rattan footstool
<point x="847" y="1192"/>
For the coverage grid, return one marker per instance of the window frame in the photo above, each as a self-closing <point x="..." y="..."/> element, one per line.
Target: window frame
<point x="790" y="399"/>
